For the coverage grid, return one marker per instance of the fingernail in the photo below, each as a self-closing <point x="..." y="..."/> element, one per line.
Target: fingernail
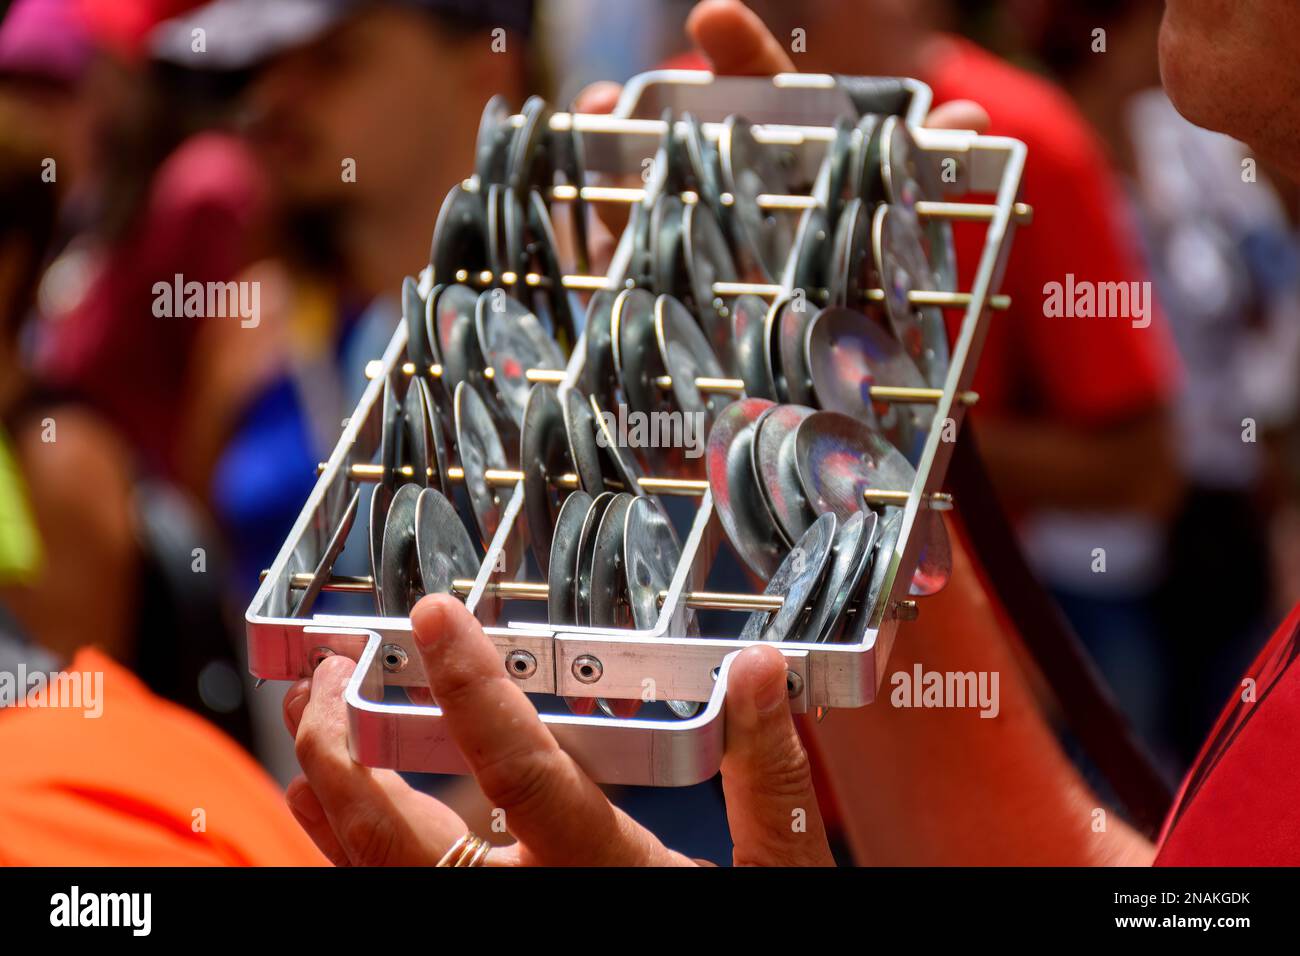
<point x="771" y="693"/>
<point x="429" y="629"/>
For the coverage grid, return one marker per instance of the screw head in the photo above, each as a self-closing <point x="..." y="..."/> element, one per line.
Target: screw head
<point x="394" y="658"/>
<point x="793" y="684"/>
<point x="319" y="654"/>
<point x="587" y="669"/>
<point x="520" y="664"/>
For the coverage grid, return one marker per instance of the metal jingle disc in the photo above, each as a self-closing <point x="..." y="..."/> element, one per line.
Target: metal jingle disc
<point x="903" y="267"/>
<point x="561" y="575"/>
<point x="790" y="325"/>
<point x="847" y="353"/>
<point x="450" y="315"/>
<point x="381" y="499"/>
<point x="460" y="235"/>
<point x="750" y="169"/>
<point x="586" y="551"/>
<point x="598" y="370"/>
<point x="480" y="449"/>
<point x="866" y="184"/>
<point x="417" y="438"/>
<point x="529" y="162"/>
<point x="637" y="354"/>
<point x="651" y="553"/>
<point x="436" y="440"/>
<point x="839" y="160"/>
<point x="584" y="451"/>
<point x="418" y="347"/>
<point x="443" y="547"/>
<point x="907" y="179"/>
<point x="492" y="147"/>
<point x="813" y="246"/>
<point x="391" y="434"/>
<point x="513" y="341"/>
<point x="749" y="528"/>
<point x="620" y="467"/>
<point x="772" y="458"/>
<point x="845" y="578"/>
<point x="748" y="321"/>
<point x="551" y="303"/>
<point x="797" y="581"/>
<point x="608" y="604"/>
<point x="772" y="345"/>
<point x="666" y="270"/>
<point x="543" y="456"/>
<point x="839" y="457"/>
<point x="639" y="262"/>
<point x="891" y="526"/>
<point x="686" y="356"/>
<point x="708" y="261"/>
<point x="399" y="566"/>
<point x="702" y="161"/>
<point x="531" y="246"/>
<point x="608" y="600"/>
<point x="567" y="147"/>
<point x="496" y="212"/>
<point x="934" y="560"/>
<point x="670" y="157"/>
<point x="852" y="270"/>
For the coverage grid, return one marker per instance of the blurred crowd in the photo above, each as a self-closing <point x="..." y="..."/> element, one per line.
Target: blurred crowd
<point x="152" y="463"/>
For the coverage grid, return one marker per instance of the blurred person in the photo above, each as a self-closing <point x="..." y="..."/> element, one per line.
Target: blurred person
<point x="97" y="769"/>
<point x="363" y="116"/>
<point x="144" y="197"/>
<point x="918" y="785"/>
<point x="118" y="544"/>
<point x="1224" y="259"/>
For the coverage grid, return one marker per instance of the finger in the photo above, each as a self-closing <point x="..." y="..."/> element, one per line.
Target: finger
<point x="959" y="114"/>
<point x="306" y="809"/>
<point x="599" y="97"/>
<point x="294" y="703"/>
<point x="377" y="819"/>
<point x="550" y="805"/>
<point x="766" y="776"/>
<point x="735" y="40"/>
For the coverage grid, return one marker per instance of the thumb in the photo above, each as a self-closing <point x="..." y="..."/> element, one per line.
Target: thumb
<point x="766" y="775"/>
<point x="735" y="40"/>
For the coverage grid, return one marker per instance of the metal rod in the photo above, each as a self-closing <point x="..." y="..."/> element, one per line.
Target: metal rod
<point x="925" y="209"/>
<point x="720" y="386"/>
<point x="532" y="591"/>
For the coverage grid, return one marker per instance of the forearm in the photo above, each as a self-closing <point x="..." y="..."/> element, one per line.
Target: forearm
<point x="945" y="786"/>
<point x="1129" y="467"/>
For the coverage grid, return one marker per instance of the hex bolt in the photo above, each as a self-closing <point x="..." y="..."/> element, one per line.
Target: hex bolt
<point x="520" y="664"/>
<point x="906" y="611"/>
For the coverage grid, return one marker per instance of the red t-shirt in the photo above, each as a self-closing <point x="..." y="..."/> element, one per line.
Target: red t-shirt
<point x="205" y="202"/>
<point x="1076" y="371"/>
<point x="1238" y="805"/>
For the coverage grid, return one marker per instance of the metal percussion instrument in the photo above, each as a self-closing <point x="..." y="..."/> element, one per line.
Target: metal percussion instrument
<point x="760" y="390"/>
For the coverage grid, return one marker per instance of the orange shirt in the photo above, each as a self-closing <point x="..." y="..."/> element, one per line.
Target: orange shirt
<point x="146" y="783"/>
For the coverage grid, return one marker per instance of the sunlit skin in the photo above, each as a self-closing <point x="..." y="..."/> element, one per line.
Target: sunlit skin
<point x="1231" y="66"/>
<point x="397" y="99"/>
